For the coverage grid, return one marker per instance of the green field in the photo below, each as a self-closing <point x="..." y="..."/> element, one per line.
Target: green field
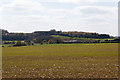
<point x="77" y="38"/>
<point x="61" y="61"/>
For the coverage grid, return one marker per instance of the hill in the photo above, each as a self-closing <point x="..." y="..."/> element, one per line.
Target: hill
<point x="54" y="36"/>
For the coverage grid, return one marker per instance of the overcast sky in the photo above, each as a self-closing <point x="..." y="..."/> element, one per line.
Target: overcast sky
<point x="99" y="16"/>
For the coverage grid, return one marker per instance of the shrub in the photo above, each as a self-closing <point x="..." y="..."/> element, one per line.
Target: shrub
<point x="20" y="43"/>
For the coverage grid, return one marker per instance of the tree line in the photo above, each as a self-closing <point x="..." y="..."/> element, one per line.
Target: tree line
<point x="45" y="36"/>
<point x="23" y="36"/>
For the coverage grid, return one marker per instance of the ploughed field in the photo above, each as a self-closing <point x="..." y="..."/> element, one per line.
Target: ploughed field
<point x="61" y="61"/>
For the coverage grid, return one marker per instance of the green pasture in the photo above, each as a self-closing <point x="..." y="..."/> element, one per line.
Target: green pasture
<point x="61" y="61"/>
<point x="66" y="37"/>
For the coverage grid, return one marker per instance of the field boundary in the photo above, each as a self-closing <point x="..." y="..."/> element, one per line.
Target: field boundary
<point x="60" y="79"/>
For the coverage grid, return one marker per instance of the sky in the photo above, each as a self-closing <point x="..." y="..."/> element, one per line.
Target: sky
<point x="100" y="16"/>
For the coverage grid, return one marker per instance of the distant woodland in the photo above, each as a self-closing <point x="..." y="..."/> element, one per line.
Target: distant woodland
<point x="56" y="37"/>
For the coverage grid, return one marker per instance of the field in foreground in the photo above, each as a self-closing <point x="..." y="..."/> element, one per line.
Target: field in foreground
<point x="61" y="61"/>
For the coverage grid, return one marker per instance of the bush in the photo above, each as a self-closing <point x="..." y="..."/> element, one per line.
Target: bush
<point x="20" y="43"/>
<point x="51" y="41"/>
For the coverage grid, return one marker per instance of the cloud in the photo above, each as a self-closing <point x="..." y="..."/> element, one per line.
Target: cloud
<point x="30" y="15"/>
<point x="22" y="6"/>
<point x="93" y="10"/>
<point x="85" y="11"/>
<point x="89" y="18"/>
<point x="85" y="1"/>
<point x="78" y="1"/>
<point x="57" y="10"/>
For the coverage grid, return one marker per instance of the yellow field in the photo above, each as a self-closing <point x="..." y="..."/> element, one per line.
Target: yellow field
<point x="61" y="61"/>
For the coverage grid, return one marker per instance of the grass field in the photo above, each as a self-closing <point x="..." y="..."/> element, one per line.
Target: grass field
<point x="77" y="38"/>
<point x="61" y="61"/>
